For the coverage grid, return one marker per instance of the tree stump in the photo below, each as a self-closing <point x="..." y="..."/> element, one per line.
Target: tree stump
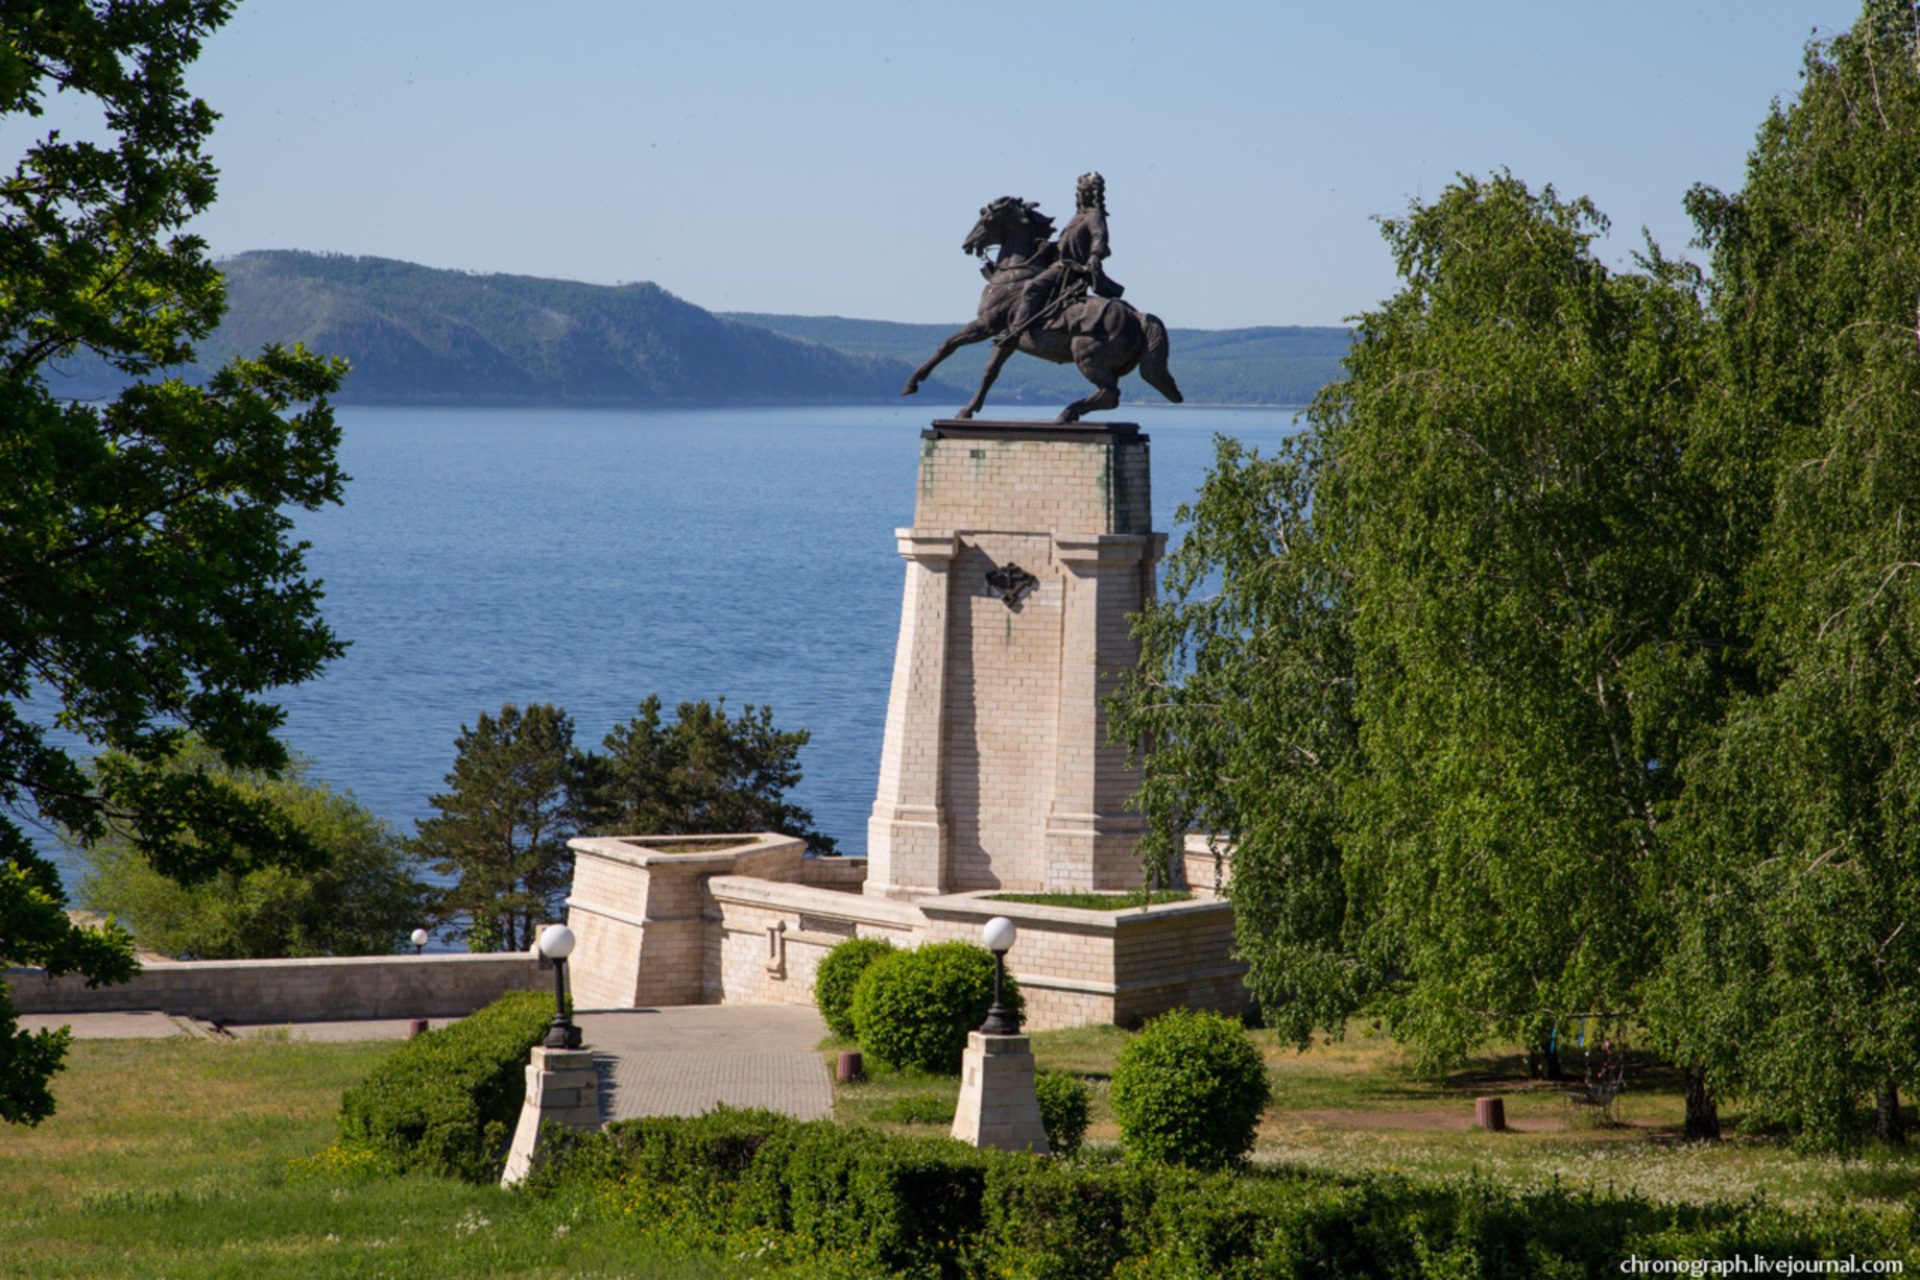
<point x="1490" y="1114"/>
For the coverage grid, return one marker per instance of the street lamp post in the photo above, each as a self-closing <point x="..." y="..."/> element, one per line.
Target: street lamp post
<point x="556" y="944"/>
<point x="419" y="940"/>
<point x="999" y="935"/>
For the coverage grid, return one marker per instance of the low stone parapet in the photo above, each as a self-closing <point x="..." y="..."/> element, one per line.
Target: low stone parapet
<point x="745" y="919"/>
<point x="1076" y="966"/>
<point x="322" y="989"/>
<point x="844" y="875"/>
<point x="773" y="936"/>
<point x="1208" y="863"/>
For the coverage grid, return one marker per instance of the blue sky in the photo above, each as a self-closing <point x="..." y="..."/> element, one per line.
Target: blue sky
<point x="827" y="158"/>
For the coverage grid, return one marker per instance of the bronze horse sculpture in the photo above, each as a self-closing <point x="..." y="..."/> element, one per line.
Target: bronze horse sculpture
<point x="1104" y="338"/>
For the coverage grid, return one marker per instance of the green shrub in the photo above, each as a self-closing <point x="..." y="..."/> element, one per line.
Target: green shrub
<point x="1065" y="1104"/>
<point x="858" y="1202"/>
<point x="903" y="1206"/>
<point x="839" y="972"/>
<point x="446" y="1101"/>
<point x="913" y="1009"/>
<point x="693" y="1164"/>
<point x="1189" y="1090"/>
<point x="1054" y="1221"/>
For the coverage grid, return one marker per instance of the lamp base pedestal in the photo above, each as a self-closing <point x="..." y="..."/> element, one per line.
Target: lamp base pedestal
<point x="998" y="1107"/>
<point x="562" y="1086"/>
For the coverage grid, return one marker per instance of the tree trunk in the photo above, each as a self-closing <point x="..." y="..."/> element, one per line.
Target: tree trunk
<point x="1543" y="1063"/>
<point x="1703" y="1118"/>
<point x="1887" y="1123"/>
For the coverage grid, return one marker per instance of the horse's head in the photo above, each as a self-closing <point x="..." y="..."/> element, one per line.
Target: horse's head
<point x="1010" y="221"/>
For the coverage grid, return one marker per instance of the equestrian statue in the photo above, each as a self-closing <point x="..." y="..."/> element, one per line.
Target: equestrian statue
<point x="1052" y="298"/>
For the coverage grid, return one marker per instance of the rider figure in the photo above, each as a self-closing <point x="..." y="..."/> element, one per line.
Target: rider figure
<point x="1082" y="248"/>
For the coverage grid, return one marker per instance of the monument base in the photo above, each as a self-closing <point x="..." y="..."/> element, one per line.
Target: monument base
<point x="1030" y="553"/>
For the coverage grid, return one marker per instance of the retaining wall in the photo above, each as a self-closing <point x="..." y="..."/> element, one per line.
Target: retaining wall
<point x="327" y="989"/>
<point x="672" y="920"/>
<point x="1075" y="967"/>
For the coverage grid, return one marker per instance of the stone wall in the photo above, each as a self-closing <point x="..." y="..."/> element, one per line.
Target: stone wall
<point x="750" y="923"/>
<point x="1208" y="863"/>
<point x="846" y="875"/>
<point x="1078" y="967"/>
<point x="640" y="912"/>
<point x="772" y="936"/>
<point x="327" y="989"/>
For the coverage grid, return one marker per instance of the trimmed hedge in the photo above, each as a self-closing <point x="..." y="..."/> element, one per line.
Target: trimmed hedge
<point x="446" y="1101"/>
<point x="914" y="1009"/>
<point x="1066" y="1105"/>
<point x="859" y="1202"/>
<point x="1189" y="1089"/>
<point x="838" y="974"/>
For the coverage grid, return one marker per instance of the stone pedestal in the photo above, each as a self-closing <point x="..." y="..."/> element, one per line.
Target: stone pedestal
<point x="561" y="1086"/>
<point x="998" y="1107"/>
<point x="1031" y="545"/>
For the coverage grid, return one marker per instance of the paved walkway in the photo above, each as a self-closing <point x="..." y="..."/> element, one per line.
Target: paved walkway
<point x="681" y="1060"/>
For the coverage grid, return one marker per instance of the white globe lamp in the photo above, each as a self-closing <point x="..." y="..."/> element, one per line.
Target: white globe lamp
<point x="556" y="944"/>
<point x="999" y="935"/>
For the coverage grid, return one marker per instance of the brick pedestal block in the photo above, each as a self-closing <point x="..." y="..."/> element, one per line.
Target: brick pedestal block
<point x="1030" y="549"/>
<point x="562" y="1086"/>
<point x="998" y="1107"/>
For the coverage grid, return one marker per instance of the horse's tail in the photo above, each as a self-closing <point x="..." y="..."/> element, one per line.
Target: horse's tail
<point x="1153" y="361"/>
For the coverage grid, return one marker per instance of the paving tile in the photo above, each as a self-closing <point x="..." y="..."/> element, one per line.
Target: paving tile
<point x="683" y="1061"/>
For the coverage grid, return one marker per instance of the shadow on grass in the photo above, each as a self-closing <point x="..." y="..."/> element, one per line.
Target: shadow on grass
<point x="1645" y="1073"/>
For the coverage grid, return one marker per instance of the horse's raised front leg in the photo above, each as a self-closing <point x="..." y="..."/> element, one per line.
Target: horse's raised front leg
<point x="995" y="363"/>
<point x="974" y="331"/>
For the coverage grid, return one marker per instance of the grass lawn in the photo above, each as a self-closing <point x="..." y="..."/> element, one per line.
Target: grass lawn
<point x="191" y="1158"/>
<point x="1358" y="1104"/>
<point x="180" y="1158"/>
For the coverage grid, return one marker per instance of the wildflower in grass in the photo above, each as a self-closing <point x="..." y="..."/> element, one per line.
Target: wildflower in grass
<point x="340" y="1165"/>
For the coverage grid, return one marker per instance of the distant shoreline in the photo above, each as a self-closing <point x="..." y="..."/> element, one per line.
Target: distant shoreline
<point x="421" y="402"/>
<point x="419" y="336"/>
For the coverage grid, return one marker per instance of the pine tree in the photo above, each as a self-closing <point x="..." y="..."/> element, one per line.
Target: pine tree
<point x="517" y="793"/>
<point x="705" y="773"/>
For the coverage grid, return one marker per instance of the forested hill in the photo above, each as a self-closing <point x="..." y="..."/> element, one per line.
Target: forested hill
<point x="420" y="335"/>
<point x="417" y="334"/>
<point x="1282" y="365"/>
